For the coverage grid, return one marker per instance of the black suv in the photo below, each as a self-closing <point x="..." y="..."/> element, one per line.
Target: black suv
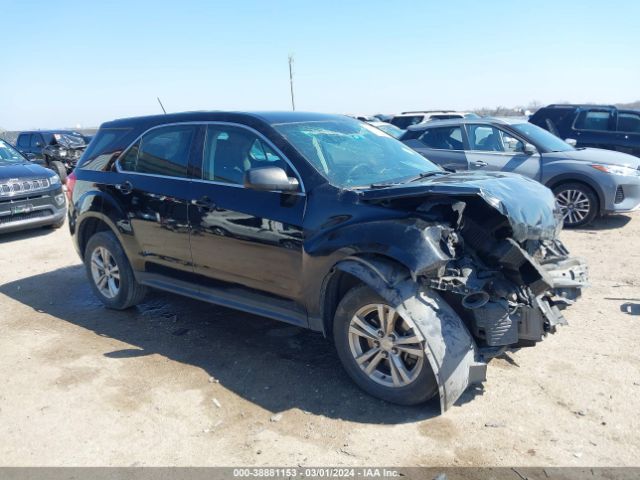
<point x="55" y="149"/>
<point x="30" y="195"/>
<point x="325" y="222"/>
<point x="597" y="126"/>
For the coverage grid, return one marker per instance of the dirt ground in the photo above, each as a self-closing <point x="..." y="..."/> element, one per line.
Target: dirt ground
<point x="179" y="382"/>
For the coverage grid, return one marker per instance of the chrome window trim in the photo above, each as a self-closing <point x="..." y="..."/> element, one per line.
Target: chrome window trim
<point x="213" y="122"/>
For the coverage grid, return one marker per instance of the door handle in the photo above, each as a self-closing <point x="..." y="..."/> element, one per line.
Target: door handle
<point x="203" y="202"/>
<point x="480" y="163"/>
<point x="125" y="187"/>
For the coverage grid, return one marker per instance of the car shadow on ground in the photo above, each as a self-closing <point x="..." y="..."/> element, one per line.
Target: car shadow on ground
<point x="24" y="234"/>
<point x="607" y="222"/>
<point x="274" y="365"/>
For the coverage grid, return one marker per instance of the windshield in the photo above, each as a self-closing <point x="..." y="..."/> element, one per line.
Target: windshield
<point x="392" y="130"/>
<point x="8" y="154"/>
<point x="542" y="138"/>
<point x="349" y="153"/>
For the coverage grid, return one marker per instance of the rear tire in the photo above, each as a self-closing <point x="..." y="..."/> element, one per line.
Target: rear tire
<point x="578" y="203"/>
<point x="60" y="169"/>
<point x="110" y="272"/>
<point x="376" y="354"/>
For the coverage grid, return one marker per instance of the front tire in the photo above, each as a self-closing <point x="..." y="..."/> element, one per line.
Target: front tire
<point x="578" y="203"/>
<point x="60" y="169"/>
<point x="110" y="273"/>
<point x="382" y="352"/>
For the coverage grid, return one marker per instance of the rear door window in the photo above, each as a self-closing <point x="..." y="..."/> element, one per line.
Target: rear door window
<point x="598" y="120"/>
<point x="629" y="122"/>
<point x="485" y="138"/>
<point x="443" y="138"/>
<point x="162" y="151"/>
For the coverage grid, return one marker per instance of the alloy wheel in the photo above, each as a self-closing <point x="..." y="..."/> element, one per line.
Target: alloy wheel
<point x="387" y="347"/>
<point x="105" y="272"/>
<point x="574" y="205"/>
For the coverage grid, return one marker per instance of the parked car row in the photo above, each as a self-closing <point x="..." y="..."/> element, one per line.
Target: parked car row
<point x="586" y="179"/>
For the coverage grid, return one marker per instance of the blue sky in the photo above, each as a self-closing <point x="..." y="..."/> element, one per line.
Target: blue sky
<point x="81" y="63"/>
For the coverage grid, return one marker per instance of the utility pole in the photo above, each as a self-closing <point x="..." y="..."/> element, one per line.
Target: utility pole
<point x="293" y="103"/>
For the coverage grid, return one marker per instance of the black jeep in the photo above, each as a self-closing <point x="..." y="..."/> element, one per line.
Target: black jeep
<point x="419" y="276"/>
<point x="58" y="150"/>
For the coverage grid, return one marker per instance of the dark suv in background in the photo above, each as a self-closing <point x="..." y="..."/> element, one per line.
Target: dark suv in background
<point x="322" y="221"/>
<point x="58" y="150"/>
<point x="598" y="126"/>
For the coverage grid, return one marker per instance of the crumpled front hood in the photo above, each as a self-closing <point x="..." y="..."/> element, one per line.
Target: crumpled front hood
<point x="529" y="206"/>
<point x="596" y="155"/>
<point x="23" y="170"/>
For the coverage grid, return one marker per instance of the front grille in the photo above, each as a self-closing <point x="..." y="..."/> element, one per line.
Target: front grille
<point x="24" y="216"/>
<point x="619" y="195"/>
<point x="9" y="188"/>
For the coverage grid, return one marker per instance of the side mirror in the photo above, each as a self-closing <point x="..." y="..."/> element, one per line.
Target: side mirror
<point x="571" y="141"/>
<point x="38" y="144"/>
<point x="529" y="149"/>
<point x="270" y="178"/>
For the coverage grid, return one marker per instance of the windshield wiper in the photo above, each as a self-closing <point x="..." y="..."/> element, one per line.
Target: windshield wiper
<point x="408" y="180"/>
<point x="425" y="175"/>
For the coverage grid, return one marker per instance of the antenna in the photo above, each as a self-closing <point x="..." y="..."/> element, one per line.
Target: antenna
<point x="161" y="106"/>
<point x="293" y="103"/>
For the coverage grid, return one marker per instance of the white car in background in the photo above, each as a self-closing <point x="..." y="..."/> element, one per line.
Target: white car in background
<point x="405" y="119"/>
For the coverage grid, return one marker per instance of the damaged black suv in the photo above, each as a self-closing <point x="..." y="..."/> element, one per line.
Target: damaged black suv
<point x="420" y="276"/>
<point x="58" y="150"/>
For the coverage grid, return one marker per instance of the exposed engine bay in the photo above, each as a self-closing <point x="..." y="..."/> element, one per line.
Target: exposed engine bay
<point x="488" y="278"/>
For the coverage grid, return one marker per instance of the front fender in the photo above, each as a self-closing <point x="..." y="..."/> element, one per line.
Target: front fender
<point x="449" y="347"/>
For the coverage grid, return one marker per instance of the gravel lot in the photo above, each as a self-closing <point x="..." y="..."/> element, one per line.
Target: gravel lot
<point x="179" y="382"/>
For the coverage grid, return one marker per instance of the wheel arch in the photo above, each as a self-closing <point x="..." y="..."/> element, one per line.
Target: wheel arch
<point x="373" y="269"/>
<point x="89" y="225"/>
<point x="582" y="179"/>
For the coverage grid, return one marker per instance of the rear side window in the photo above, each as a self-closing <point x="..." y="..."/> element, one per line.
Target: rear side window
<point x="599" y="120"/>
<point x="629" y="122"/>
<point x="162" y="151"/>
<point x="444" y="138"/>
<point x="485" y="138"/>
<point x="23" y="140"/>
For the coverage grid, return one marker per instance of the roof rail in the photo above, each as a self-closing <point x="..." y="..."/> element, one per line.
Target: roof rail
<point x="556" y="105"/>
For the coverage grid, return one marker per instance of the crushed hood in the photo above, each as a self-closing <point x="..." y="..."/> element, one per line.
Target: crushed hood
<point x="529" y="206"/>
